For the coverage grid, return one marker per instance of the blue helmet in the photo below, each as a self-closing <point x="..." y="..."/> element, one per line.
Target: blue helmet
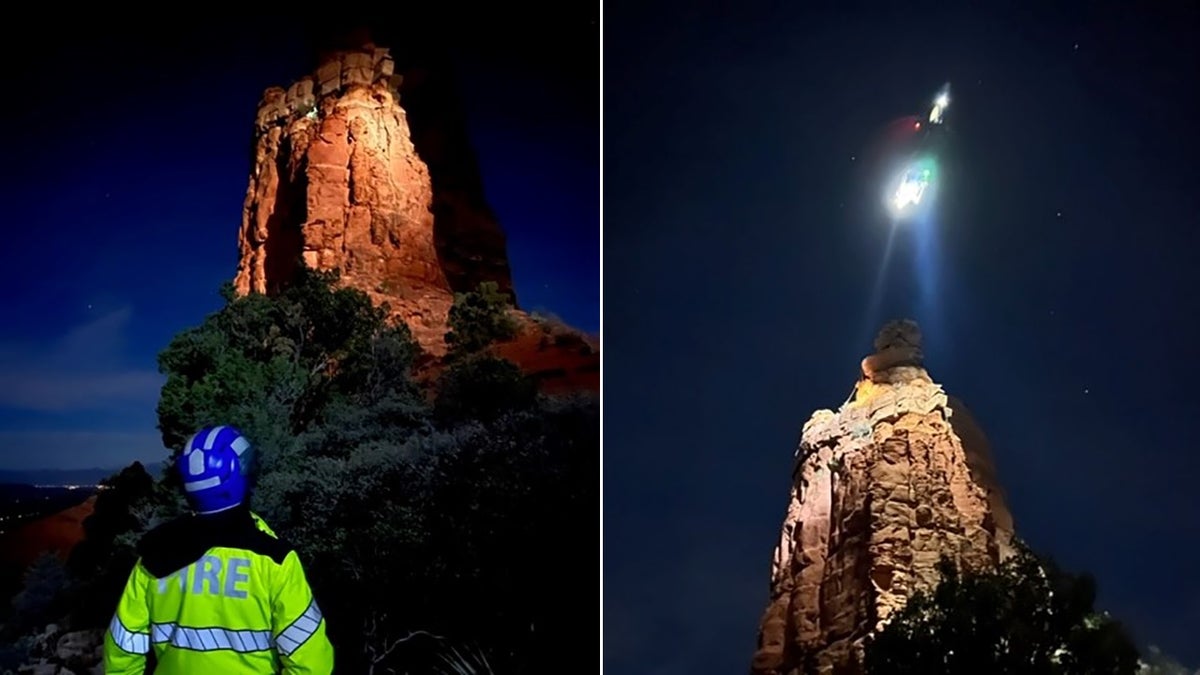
<point x="212" y="466"/>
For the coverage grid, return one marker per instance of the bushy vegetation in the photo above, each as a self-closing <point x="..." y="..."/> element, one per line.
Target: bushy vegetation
<point x="99" y="565"/>
<point x="478" y="319"/>
<point x="433" y="527"/>
<point x="1028" y="617"/>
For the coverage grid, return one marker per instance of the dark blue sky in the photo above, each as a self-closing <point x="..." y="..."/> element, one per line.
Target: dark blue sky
<point x="126" y="167"/>
<point x="743" y="245"/>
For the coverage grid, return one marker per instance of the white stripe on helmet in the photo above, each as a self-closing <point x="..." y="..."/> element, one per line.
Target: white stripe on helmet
<point x="202" y="484"/>
<point x="196" y="462"/>
<point x="240" y="445"/>
<point x="212" y="437"/>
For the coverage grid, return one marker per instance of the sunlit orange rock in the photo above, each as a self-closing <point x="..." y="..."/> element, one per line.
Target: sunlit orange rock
<point x="882" y="488"/>
<point x="337" y="182"/>
<point x="344" y="180"/>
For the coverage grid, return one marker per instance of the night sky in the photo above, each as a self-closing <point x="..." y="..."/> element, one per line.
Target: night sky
<point x="126" y="167"/>
<point x="744" y="236"/>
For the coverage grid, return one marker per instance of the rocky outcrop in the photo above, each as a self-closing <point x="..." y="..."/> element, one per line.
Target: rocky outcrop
<point x="882" y="488"/>
<point x="59" y="652"/>
<point x="342" y="179"/>
<point x="337" y="182"/>
<point x="983" y="470"/>
<point x="558" y="357"/>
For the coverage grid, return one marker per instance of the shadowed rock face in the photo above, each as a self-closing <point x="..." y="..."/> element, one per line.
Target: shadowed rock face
<point x="882" y="489"/>
<point x="983" y="469"/>
<point x="337" y="181"/>
<point x="470" y="244"/>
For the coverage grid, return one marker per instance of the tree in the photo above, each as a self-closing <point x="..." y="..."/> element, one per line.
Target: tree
<point x="425" y="523"/>
<point x="1026" y="617"/>
<point x="483" y="387"/>
<point x="99" y="565"/>
<point x="478" y="319"/>
<point x="267" y="363"/>
<point x="476" y="384"/>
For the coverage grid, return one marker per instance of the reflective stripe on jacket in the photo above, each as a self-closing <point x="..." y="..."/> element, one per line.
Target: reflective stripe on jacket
<point x="231" y="611"/>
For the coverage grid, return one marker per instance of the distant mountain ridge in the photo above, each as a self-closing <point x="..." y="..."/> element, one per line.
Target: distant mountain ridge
<point x="90" y="476"/>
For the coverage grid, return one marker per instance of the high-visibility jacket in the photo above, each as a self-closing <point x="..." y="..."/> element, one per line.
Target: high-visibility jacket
<point x="217" y="594"/>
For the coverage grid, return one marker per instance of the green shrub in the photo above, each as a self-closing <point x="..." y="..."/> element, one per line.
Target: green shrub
<point x="451" y="517"/>
<point x="478" y="319"/>
<point x="1026" y="617"/>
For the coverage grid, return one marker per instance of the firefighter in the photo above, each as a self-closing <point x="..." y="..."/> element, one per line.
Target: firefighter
<point x="216" y="591"/>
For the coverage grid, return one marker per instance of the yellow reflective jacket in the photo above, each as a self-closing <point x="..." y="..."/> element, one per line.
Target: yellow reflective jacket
<point x="217" y="594"/>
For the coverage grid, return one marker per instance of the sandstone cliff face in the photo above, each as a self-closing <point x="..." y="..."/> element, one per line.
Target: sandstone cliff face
<point x="882" y="489"/>
<point x="343" y="181"/>
<point x="337" y="181"/>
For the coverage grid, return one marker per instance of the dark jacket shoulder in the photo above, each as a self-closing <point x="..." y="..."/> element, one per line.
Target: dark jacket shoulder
<point x="178" y="543"/>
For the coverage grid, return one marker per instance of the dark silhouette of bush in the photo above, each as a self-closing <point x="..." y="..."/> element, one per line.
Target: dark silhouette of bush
<point x="482" y="387"/>
<point x="1027" y="617"/>
<point x="98" y="565"/>
<point x="478" y="319"/>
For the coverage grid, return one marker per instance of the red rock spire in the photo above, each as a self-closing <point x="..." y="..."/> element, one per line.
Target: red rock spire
<point x="883" y="487"/>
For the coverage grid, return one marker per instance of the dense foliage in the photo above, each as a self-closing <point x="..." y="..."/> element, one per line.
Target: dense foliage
<point x="99" y="565"/>
<point x="1026" y="617"/>
<point x="479" y="319"/>
<point x="428" y="525"/>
